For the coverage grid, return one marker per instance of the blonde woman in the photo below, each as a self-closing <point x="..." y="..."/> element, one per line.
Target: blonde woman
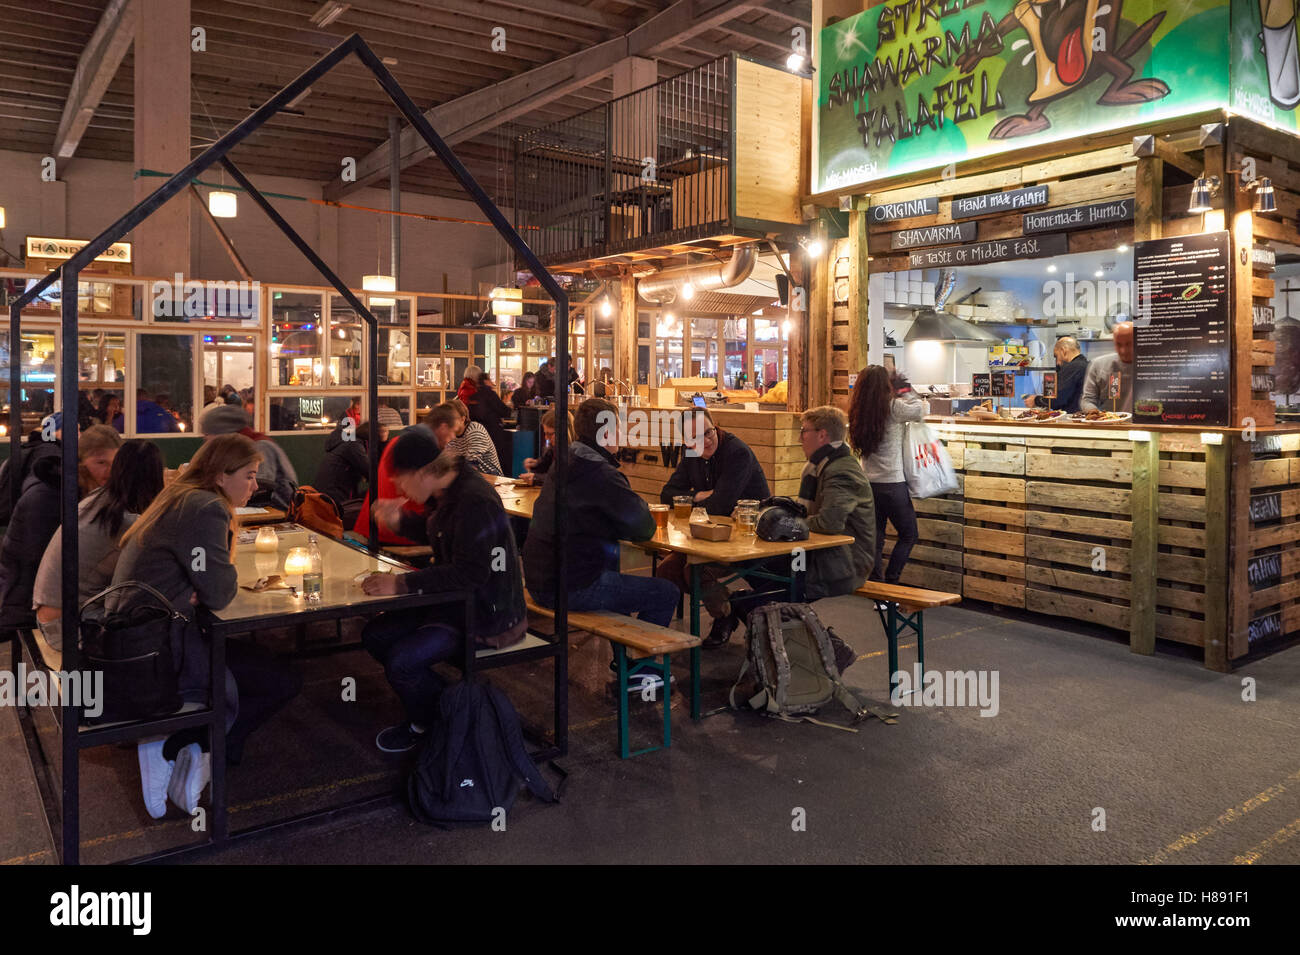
<point x="197" y="510"/>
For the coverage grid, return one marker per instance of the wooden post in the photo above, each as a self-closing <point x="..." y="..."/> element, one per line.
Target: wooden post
<point x="1145" y="502"/>
<point x="162" y="131"/>
<point x="1237" y="552"/>
<point x="858" y="316"/>
<point x="821" y="366"/>
<point x="625" y="334"/>
<point x="1217" y="483"/>
<point x="808" y="276"/>
<point x="1148" y="201"/>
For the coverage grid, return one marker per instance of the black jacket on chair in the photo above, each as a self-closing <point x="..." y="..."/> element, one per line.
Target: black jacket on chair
<point x="343" y="468"/>
<point x="486" y="407"/>
<point x="732" y="474"/>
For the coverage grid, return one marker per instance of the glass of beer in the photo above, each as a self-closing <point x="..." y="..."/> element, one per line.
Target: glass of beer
<point x="682" y="504"/>
<point x="746" y="516"/>
<point x="660" y="513"/>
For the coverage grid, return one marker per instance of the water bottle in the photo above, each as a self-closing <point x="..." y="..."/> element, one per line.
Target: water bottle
<point x="312" y="579"/>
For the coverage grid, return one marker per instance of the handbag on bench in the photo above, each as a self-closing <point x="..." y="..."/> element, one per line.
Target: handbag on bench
<point x="133" y="649"/>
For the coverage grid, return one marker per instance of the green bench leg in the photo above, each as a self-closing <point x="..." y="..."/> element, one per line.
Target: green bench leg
<point x="625" y="674"/>
<point x="620" y="661"/>
<point x="891" y="634"/>
<point x="695" y="683"/>
<point x="667" y="701"/>
<point x="695" y="600"/>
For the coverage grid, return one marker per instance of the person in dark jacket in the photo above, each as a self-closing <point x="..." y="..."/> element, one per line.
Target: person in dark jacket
<point x="28" y="454"/>
<point x="39" y="513"/>
<point x="535" y="469"/>
<point x="1071" y="371"/>
<point x="717" y="469"/>
<point x="601" y="509"/>
<point x="486" y="407"/>
<point x="473" y="552"/>
<point x="345" y="466"/>
<point x="524" y="393"/>
<point x="545" y="382"/>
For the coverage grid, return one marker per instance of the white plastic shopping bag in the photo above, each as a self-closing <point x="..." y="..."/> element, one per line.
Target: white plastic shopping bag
<point x="926" y="465"/>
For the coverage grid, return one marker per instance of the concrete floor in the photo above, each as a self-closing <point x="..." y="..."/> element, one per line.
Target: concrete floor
<point x="1185" y="771"/>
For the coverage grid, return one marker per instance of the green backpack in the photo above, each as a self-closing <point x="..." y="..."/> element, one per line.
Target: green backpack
<point x="793" y="657"/>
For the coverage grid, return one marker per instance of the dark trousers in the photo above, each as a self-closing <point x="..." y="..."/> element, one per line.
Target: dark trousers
<point x="650" y="598"/>
<point x="408" y="643"/>
<point x="265" y="685"/>
<point x="893" y="504"/>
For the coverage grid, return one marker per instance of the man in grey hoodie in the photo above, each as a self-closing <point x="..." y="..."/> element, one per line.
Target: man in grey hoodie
<point x="276" y="478"/>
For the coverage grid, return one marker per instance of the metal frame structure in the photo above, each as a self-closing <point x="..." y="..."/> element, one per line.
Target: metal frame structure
<point x="67" y="846"/>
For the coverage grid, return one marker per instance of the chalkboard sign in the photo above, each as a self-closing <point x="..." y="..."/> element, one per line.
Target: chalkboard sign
<point x="933" y="235"/>
<point x="1262" y="317"/>
<point x="1266" y="507"/>
<point x="998" y="250"/>
<point x="1009" y="201"/>
<point x="1263" y="628"/>
<point x="1077" y="217"/>
<point x="1004" y="384"/>
<point x="981" y="386"/>
<point x="1049" y="384"/>
<point x="1264" y="571"/>
<point x="1181" y="340"/>
<point x="893" y="211"/>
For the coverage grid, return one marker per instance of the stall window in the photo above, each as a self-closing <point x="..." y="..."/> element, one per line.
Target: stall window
<point x="430" y="370"/>
<point x="736" y="347"/>
<point x="343" y="339"/>
<point x="395" y="359"/>
<point x="211" y="302"/>
<point x="227" y="360"/>
<point x="668" y="350"/>
<point x="704" y="348"/>
<point x="101" y="373"/>
<point x="165" y="379"/>
<point x="510" y="358"/>
<point x="769" y="357"/>
<point x="394" y="411"/>
<point x="95" y="299"/>
<point x="307" y="413"/>
<point x="38" y="377"/>
<point x="297" y="333"/>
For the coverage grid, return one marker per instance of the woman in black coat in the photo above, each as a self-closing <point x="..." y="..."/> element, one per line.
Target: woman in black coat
<point x="487" y="408"/>
<point x="473" y="552"/>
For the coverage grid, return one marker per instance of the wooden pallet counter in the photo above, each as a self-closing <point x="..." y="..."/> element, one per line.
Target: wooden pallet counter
<point x="1140" y="536"/>
<point x="773" y="436"/>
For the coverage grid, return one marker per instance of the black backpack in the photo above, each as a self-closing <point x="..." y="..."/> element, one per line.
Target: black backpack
<point x="470" y="770"/>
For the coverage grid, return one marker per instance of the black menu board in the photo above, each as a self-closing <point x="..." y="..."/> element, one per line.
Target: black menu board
<point x="981" y="386"/>
<point x="1181" y="330"/>
<point x="1004" y="384"/>
<point x="1049" y="384"/>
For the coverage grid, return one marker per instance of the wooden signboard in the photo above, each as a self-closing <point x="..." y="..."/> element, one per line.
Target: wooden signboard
<point x="1264" y="571"/>
<point x="1027" y="198"/>
<point x="1266" y="627"/>
<point x="998" y="250"/>
<point x="1049" y="384"/>
<point x="1077" y="217"/>
<point x="1266" y="507"/>
<point x="911" y="209"/>
<point x="981" y="386"/>
<point x="933" y="235"/>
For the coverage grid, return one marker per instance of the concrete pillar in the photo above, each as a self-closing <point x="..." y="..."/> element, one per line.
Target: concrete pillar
<point x="162" y="131"/>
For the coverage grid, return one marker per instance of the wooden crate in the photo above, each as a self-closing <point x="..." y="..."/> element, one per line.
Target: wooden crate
<point x="701" y="197"/>
<point x="993" y="542"/>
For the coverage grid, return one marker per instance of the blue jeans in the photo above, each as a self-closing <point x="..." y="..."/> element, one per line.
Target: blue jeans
<point x="408" y="643"/>
<point x="648" y="598"/>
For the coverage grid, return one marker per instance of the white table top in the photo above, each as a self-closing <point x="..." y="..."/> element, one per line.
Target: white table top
<point x="342" y="565"/>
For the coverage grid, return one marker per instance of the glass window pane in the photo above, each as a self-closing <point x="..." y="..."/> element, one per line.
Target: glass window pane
<point x="512" y="371"/>
<point x="395" y="410"/>
<point x="425" y="402"/>
<point x="164" y="399"/>
<point x="431" y="372"/>
<point x="211" y="301"/>
<point x="455" y="341"/>
<point x="297" y="328"/>
<point x="101" y="357"/>
<point x="704" y="347"/>
<point x="227" y="360"/>
<point x="345" y="355"/>
<point x="118" y="300"/>
<point x="38" y="377"/>
<point x="735" y="374"/>
<point x="314" y="413"/>
<point x="428" y="343"/>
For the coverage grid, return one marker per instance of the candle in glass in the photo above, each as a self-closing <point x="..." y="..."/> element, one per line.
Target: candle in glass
<point x="296" y="563"/>
<point x="266" y="541"/>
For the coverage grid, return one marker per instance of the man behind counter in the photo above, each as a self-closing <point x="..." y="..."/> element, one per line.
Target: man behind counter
<point x="1096" y="386"/>
<point x="1071" y="369"/>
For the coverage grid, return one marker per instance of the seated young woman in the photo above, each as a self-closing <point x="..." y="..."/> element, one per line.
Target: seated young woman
<point x="196" y="513"/>
<point x="135" y="479"/>
<point x="536" y="468"/>
<point x="37" y="516"/>
<point x="455" y="432"/>
<point x="473" y="551"/>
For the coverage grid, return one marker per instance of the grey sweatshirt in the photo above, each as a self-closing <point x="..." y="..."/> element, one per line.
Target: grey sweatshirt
<point x="885" y="464"/>
<point x="1096" y="387"/>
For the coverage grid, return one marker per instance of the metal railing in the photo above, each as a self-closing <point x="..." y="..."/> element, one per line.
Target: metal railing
<point x="646" y="169"/>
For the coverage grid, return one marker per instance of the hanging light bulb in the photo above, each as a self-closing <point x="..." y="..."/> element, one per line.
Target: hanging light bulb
<point x="606" y="308"/>
<point x="507" y="301"/>
<point x="379" y="283"/>
<point x="222" y="204"/>
<point x="688" y="291"/>
<point x="2" y="217"/>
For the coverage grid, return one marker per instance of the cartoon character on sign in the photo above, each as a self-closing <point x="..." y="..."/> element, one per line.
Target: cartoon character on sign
<point x="1071" y="44"/>
<point x="1281" y="57"/>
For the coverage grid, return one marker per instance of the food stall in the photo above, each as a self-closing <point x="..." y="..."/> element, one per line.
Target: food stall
<point x="965" y="165"/>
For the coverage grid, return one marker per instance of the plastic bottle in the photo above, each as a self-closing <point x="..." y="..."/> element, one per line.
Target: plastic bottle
<point x="314" y="578"/>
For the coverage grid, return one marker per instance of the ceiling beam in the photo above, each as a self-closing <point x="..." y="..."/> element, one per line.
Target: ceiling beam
<point x="99" y="61"/>
<point x="777" y="41"/>
<point x="475" y="113"/>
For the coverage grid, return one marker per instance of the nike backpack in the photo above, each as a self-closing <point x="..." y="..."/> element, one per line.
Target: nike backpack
<point x="793" y="656"/>
<point x="471" y="770"/>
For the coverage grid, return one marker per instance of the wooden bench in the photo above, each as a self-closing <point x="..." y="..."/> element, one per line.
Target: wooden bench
<point x="649" y="647"/>
<point x="901" y="608"/>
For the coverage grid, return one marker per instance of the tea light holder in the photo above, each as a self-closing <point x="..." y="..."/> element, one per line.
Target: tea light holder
<point x="266" y="542"/>
<point x="296" y="563"/>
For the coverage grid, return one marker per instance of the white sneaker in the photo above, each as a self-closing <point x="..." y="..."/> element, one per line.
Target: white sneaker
<point x="155" y="775"/>
<point x="192" y="775"/>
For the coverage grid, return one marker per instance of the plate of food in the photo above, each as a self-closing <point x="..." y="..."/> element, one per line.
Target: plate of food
<point x="984" y="411"/>
<point x="1038" y="415"/>
<point x="1099" y="417"/>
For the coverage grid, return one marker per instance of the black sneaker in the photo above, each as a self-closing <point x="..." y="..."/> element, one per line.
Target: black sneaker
<point x="721" y="631"/>
<point x="398" y="739"/>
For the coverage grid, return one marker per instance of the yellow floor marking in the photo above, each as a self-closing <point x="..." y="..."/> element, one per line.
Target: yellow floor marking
<point x="1189" y="839"/>
<point x="1272" y="842"/>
